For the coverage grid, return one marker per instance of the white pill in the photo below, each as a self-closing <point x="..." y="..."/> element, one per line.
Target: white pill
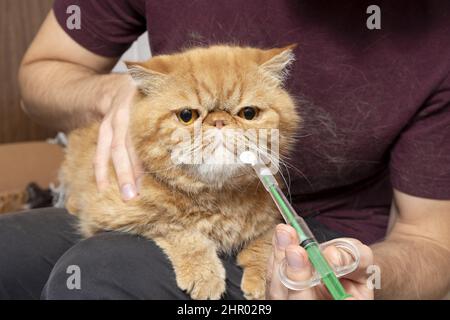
<point x="248" y="157"/>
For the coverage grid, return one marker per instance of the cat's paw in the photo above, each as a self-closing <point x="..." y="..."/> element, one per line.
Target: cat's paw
<point x="253" y="284"/>
<point x="202" y="283"/>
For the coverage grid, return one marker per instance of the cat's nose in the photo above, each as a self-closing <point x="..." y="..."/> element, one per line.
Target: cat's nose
<point x="218" y="119"/>
<point x="219" y="124"/>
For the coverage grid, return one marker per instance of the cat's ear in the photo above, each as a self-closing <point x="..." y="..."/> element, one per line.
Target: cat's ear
<point x="148" y="75"/>
<point x="275" y="62"/>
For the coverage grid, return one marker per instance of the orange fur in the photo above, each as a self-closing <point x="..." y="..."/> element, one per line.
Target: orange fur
<point x="13" y="201"/>
<point x="192" y="212"/>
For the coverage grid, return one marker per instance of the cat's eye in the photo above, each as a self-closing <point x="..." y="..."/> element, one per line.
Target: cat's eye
<point x="187" y="116"/>
<point x="248" y="113"/>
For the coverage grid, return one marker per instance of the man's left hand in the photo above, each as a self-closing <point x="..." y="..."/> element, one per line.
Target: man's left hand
<point x="298" y="268"/>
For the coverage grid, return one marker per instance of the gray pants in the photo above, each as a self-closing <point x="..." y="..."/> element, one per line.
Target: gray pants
<point x="38" y="248"/>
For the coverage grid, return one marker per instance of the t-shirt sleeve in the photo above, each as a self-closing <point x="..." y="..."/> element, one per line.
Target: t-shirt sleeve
<point x="107" y="28"/>
<point x="420" y="159"/>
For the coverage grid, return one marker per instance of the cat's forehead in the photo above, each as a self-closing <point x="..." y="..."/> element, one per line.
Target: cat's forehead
<point x="218" y="78"/>
<point x="215" y="90"/>
<point x="217" y="64"/>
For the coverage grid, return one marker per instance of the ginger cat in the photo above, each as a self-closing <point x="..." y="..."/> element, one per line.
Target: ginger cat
<point x="194" y="211"/>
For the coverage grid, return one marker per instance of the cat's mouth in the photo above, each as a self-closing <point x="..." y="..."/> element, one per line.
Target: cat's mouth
<point x="214" y="159"/>
<point x="219" y="165"/>
<point x="218" y="161"/>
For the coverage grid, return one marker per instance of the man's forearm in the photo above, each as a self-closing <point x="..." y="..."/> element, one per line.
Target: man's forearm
<point x="65" y="95"/>
<point x="412" y="269"/>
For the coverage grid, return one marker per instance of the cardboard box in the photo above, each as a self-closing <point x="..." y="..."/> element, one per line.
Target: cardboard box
<point x="22" y="163"/>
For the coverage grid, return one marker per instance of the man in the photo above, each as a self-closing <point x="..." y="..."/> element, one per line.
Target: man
<point x="376" y="110"/>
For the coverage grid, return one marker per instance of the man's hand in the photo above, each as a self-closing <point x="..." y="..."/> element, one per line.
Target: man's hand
<point x="285" y="245"/>
<point x="114" y="143"/>
<point x="82" y="91"/>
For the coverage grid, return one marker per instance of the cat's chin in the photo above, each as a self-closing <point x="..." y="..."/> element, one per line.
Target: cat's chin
<point x="220" y="168"/>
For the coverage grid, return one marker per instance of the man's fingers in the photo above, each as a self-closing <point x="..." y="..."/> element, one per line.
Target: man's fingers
<point x="103" y="154"/>
<point x="285" y="235"/>
<point x="112" y="144"/>
<point x="138" y="170"/>
<point x="340" y="257"/>
<point x="366" y="259"/>
<point x="337" y="257"/>
<point x="282" y="238"/>
<point x="120" y="156"/>
<point x="299" y="268"/>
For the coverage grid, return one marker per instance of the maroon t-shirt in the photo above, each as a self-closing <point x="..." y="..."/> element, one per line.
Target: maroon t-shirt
<point x="376" y="103"/>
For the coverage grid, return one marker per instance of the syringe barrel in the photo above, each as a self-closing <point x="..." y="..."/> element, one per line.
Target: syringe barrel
<point x="287" y="211"/>
<point x="292" y="218"/>
<point x="266" y="176"/>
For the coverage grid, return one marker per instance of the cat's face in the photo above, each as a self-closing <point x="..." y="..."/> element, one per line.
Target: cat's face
<point x="199" y="109"/>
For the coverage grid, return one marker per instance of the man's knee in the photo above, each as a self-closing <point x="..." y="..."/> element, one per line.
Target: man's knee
<point x="30" y="243"/>
<point x="113" y="266"/>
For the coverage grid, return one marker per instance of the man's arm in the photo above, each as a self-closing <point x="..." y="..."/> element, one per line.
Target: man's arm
<point x="64" y="85"/>
<point x="415" y="257"/>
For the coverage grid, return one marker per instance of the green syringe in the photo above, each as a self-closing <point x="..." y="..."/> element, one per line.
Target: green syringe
<point x="306" y="238"/>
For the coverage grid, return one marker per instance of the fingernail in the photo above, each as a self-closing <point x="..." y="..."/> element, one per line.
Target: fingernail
<point x="294" y="260"/>
<point x="283" y="239"/>
<point x="128" y="192"/>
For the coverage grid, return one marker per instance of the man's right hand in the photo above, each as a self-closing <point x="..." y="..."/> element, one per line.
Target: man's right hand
<point x="114" y="143"/>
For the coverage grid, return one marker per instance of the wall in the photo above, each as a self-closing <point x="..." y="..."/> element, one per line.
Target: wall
<point x="19" y="22"/>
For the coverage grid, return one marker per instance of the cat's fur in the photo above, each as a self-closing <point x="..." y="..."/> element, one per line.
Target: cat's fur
<point x="193" y="212"/>
<point x="13" y="201"/>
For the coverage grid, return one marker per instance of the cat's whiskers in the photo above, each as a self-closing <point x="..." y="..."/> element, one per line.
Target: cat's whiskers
<point x="285" y="162"/>
<point x="274" y="161"/>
